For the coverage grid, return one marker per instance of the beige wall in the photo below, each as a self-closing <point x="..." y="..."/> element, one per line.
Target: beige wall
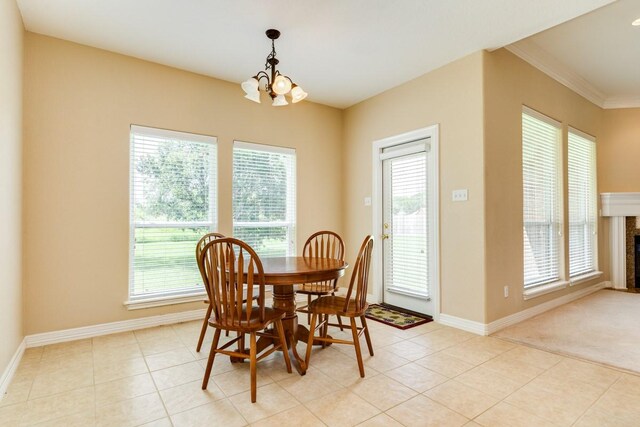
<point x="11" y="42"/>
<point x="619" y="155"/>
<point x="79" y="103"/>
<point x="451" y="97"/>
<point x="510" y="83"/>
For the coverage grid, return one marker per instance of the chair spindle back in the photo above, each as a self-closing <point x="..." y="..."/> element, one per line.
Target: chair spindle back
<point x="360" y="276"/>
<point x="226" y="264"/>
<point x="200" y="246"/>
<point x="324" y="244"/>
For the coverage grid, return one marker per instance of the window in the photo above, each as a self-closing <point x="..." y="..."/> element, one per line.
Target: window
<point x="264" y="198"/>
<point x="582" y="203"/>
<point x="541" y="169"/>
<point x="173" y="203"/>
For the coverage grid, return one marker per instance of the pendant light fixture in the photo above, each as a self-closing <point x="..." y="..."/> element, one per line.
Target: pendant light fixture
<point x="276" y="85"/>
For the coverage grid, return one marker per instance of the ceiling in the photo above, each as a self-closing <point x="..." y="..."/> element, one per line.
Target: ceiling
<point x="340" y="51"/>
<point x="597" y="55"/>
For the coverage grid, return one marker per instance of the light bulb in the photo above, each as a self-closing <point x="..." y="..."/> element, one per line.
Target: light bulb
<point x="297" y="94"/>
<point x="279" y="101"/>
<point x="281" y="85"/>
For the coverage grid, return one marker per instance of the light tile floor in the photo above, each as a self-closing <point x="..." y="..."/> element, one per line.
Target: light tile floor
<point x="431" y="375"/>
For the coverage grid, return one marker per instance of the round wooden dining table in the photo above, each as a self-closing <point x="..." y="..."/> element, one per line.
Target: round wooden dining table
<point x="282" y="273"/>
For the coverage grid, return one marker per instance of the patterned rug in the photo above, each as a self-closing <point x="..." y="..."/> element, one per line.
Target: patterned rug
<point x="396" y="318"/>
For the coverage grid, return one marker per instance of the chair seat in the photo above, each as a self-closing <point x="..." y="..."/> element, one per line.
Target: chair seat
<point x="335" y="305"/>
<point x="254" y="324"/>
<point x="315" y="289"/>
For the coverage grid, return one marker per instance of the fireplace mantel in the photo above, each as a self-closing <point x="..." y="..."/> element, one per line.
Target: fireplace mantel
<point x="617" y="206"/>
<point x="620" y="204"/>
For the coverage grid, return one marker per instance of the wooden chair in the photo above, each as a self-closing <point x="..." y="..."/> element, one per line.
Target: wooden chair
<point x="199" y="247"/>
<point x="222" y="263"/>
<point x="345" y="307"/>
<point x="323" y="244"/>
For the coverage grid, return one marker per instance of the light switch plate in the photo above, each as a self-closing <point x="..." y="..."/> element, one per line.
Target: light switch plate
<point x="460" y="195"/>
<point x="367" y="201"/>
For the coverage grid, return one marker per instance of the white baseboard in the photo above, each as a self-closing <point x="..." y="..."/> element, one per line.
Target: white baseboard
<point x="490" y="328"/>
<point x="11" y="369"/>
<point x="518" y="317"/>
<point x="54" y="337"/>
<point x="464" y="324"/>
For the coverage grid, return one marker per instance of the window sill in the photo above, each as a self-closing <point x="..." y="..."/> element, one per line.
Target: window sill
<point x="544" y="289"/>
<point x="138" y="304"/>
<point x="585" y="277"/>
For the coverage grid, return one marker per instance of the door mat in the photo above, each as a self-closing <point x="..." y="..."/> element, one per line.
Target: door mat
<point x="395" y="316"/>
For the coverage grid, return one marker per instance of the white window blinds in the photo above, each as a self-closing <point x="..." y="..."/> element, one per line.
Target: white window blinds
<point x="541" y="198"/>
<point x="582" y="203"/>
<point x="264" y="198"/>
<point x="173" y="203"/>
<point x="406" y="218"/>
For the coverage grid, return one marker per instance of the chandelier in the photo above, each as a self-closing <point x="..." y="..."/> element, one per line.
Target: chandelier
<point x="276" y="85"/>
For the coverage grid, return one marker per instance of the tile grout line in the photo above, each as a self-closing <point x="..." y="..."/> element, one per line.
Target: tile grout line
<point x="157" y="391"/>
<point x="596" y="401"/>
<point x="503" y="400"/>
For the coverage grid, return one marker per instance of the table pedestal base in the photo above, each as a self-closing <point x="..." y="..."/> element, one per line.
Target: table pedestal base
<point x="284" y="298"/>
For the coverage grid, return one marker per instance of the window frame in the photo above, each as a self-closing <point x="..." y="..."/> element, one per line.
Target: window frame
<point x="593" y="207"/>
<point x="138" y="301"/>
<point x="538" y="288"/>
<point x="291" y="220"/>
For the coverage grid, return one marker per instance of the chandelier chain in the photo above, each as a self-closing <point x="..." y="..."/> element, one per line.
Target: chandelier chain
<point x="272" y="55"/>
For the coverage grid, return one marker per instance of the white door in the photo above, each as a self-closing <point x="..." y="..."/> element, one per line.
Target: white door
<point x="407" y="231"/>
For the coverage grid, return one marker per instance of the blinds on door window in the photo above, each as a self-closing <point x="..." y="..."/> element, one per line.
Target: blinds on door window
<point x="541" y="198"/>
<point x="172" y="204"/>
<point x="582" y="203"/>
<point x="406" y="218"/>
<point x="264" y="198"/>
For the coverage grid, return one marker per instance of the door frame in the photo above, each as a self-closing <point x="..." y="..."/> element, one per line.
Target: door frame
<point x="431" y="132"/>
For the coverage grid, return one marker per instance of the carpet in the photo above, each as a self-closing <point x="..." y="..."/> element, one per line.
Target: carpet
<point x="603" y="327"/>
<point x="395" y="316"/>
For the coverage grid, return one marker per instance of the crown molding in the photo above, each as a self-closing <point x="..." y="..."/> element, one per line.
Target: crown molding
<point x="613" y="103"/>
<point x="543" y="61"/>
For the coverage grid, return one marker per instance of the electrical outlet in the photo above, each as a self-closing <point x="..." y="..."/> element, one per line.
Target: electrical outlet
<point x="367" y="201"/>
<point x="506" y="292"/>
<point x="460" y="195"/>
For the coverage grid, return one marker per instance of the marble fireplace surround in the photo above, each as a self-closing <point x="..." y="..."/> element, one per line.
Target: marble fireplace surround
<point x="618" y="206"/>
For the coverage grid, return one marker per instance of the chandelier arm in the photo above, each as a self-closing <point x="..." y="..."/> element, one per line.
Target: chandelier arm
<point x="261" y="75"/>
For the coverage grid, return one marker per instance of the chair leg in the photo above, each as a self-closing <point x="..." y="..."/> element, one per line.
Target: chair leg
<point x="366" y="334"/>
<point x="308" y="305"/>
<point x="205" y="325"/>
<point x="325" y="330"/>
<point x="340" y="322"/>
<point x="283" y="344"/>
<point x="212" y="355"/>
<point x="356" y="344"/>
<point x="312" y="327"/>
<point x="252" y="361"/>
<point x="240" y="342"/>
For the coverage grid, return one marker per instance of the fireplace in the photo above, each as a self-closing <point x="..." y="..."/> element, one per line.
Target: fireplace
<point x="622" y="210"/>
<point x="636" y="256"/>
